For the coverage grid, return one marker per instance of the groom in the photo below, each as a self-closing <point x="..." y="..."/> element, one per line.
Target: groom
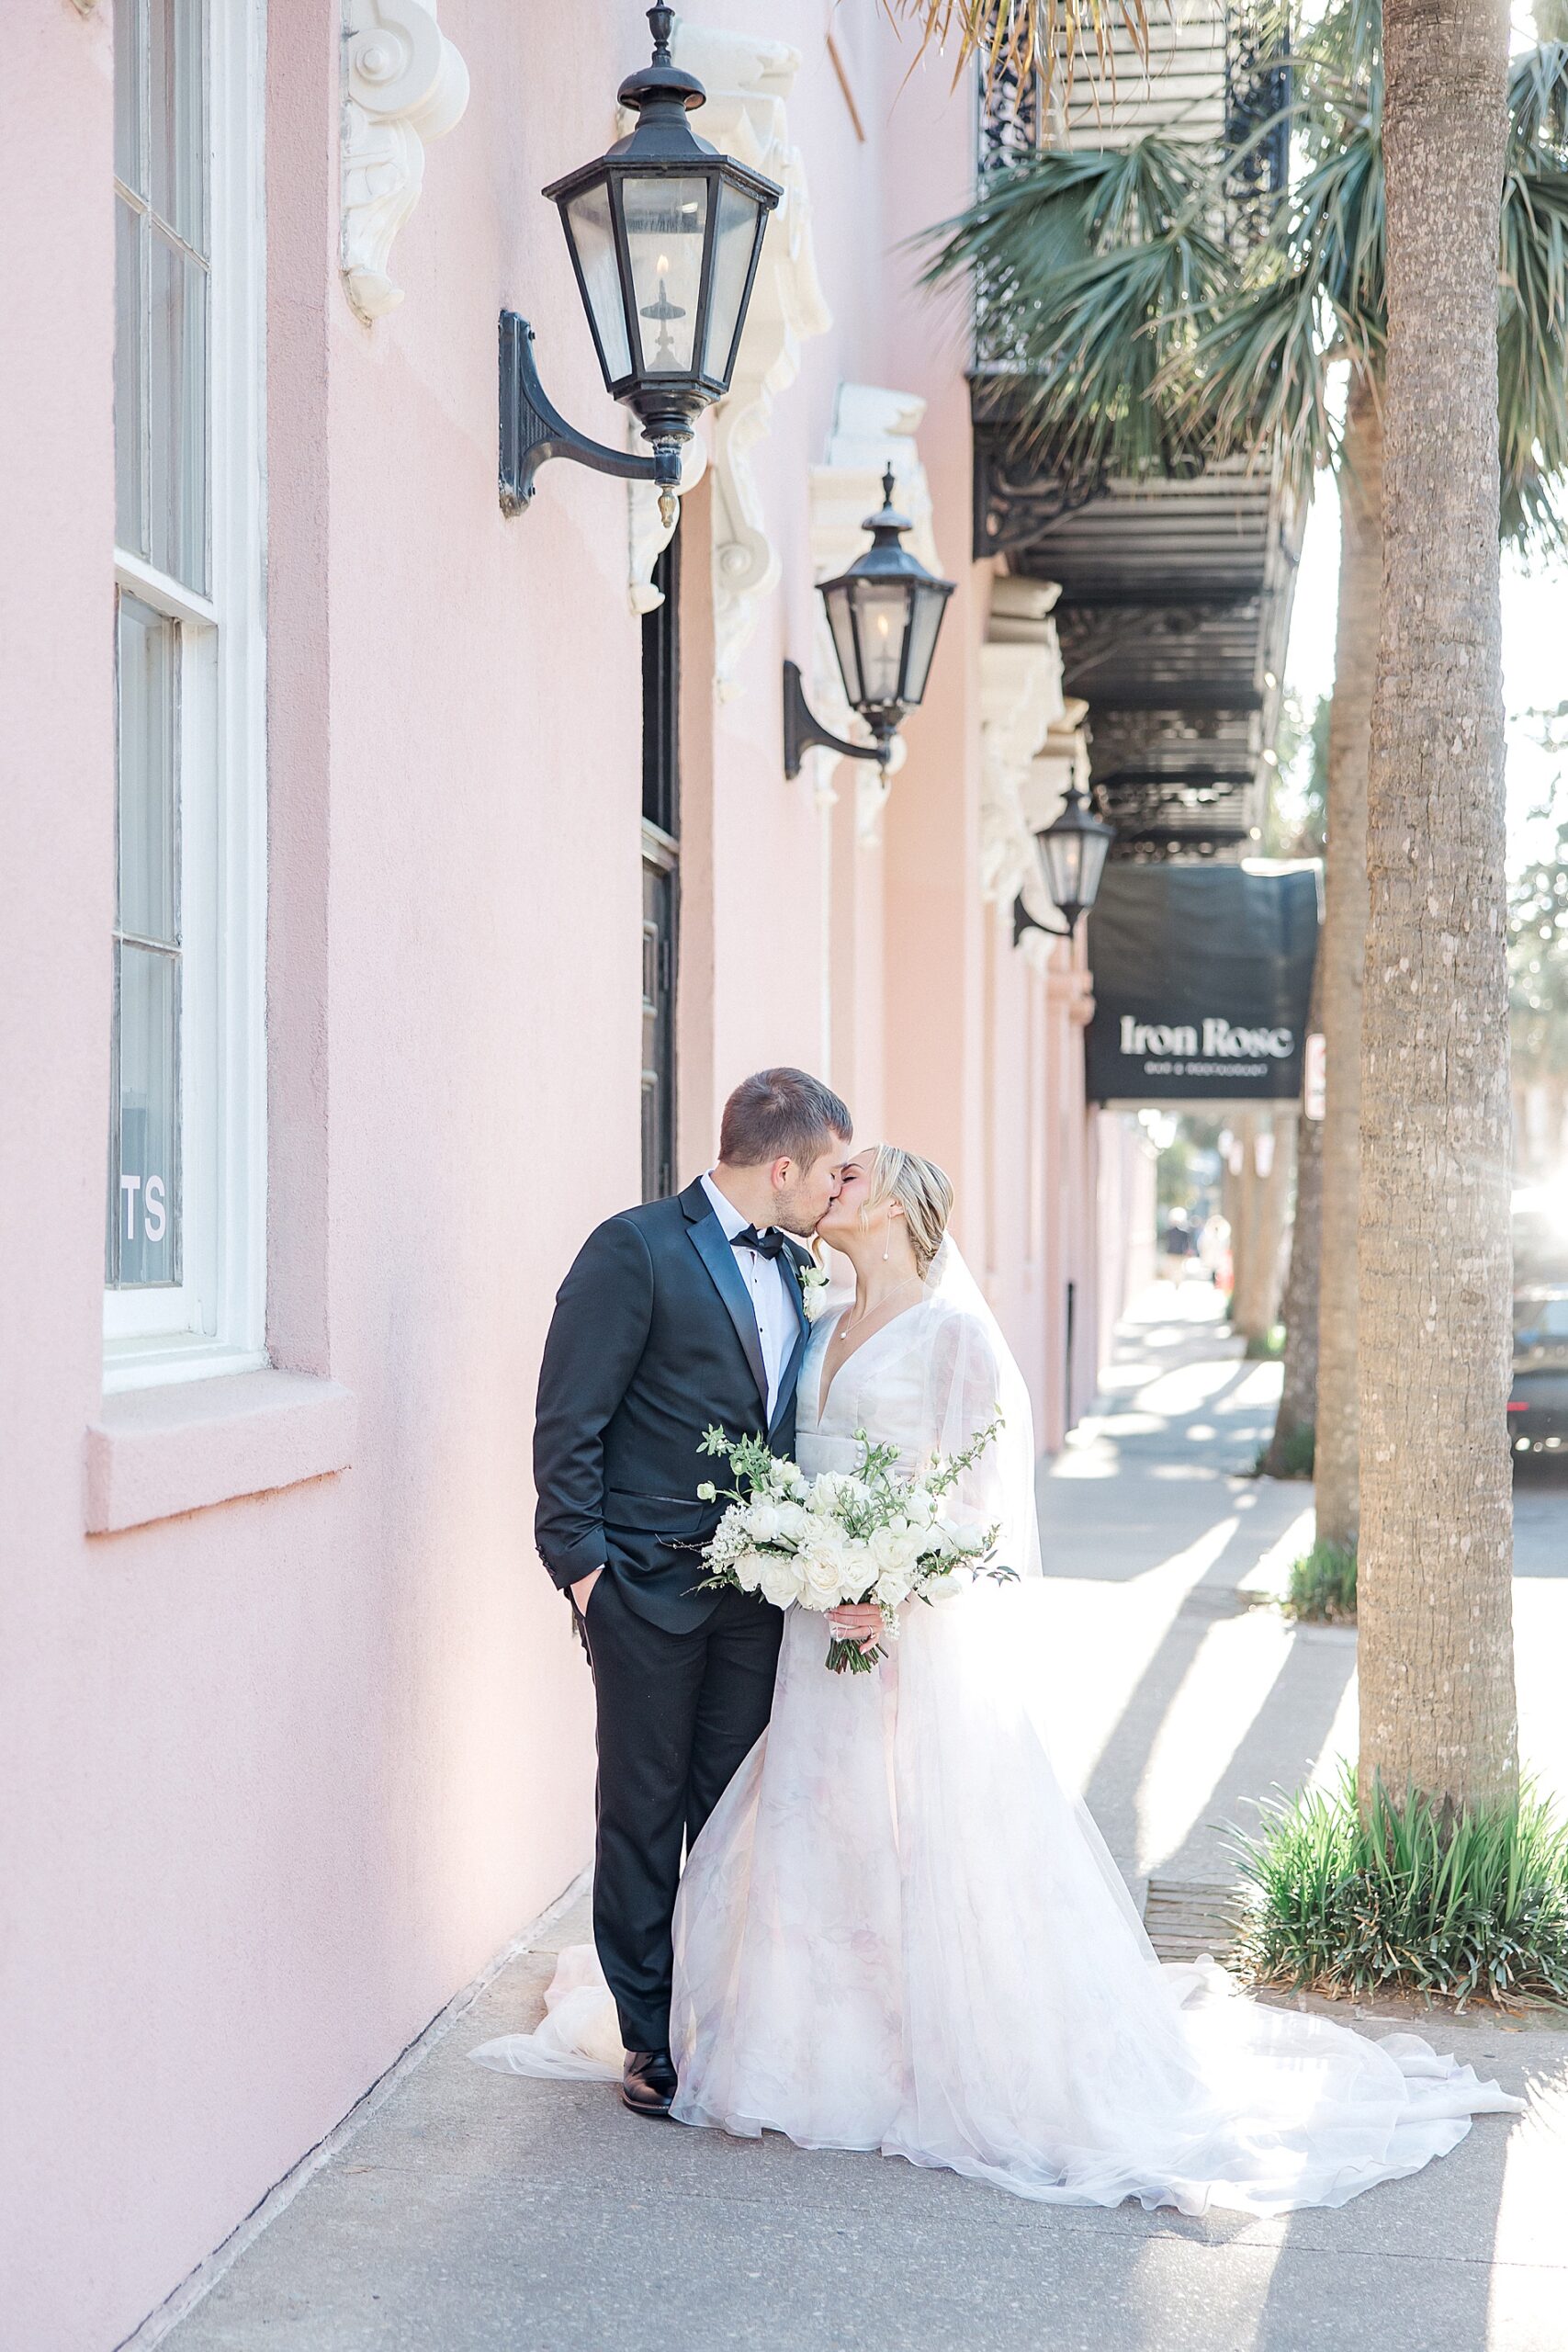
<point x="676" y="1315"/>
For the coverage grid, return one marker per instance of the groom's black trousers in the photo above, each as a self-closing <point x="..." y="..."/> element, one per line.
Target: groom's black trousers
<point x="678" y="1714"/>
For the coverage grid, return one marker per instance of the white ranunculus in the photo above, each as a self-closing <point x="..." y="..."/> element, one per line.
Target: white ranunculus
<point x="780" y="1579"/>
<point x="708" y="1492"/>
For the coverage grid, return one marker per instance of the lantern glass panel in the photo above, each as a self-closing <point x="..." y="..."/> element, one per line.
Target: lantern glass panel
<point x="737" y="237"/>
<point x="665" y="219"/>
<point x="1061" y="854"/>
<point x="930" y="603"/>
<point x="843" y="627"/>
<point x="1095" y="849"/>
<point x="881" y="615"/>
<point x="593" y="241"/>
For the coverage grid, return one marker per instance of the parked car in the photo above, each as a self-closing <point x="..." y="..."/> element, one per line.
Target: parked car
<point x="1537" y="1407"/>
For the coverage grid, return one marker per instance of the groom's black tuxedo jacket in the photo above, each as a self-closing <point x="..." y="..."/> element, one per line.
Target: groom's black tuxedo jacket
<point x="653" y="1339"/>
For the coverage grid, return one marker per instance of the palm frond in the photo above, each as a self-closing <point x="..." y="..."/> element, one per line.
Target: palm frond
<point x="1255" y="383"/>
<point x="1137" y="342"/>
<point x="1015" y="39"/>
<point x="1538" y="106"/>
<point x="1532" y="358"/>
<point x="1105" y="265"/>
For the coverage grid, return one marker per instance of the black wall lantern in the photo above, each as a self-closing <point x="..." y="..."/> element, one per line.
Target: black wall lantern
<point x="885" y="612"/>
<point x="664" y="234"/>
<point x="1072" y="858"/>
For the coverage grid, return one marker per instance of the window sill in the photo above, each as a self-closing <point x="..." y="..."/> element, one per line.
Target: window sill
<point x="155" y="1453"/>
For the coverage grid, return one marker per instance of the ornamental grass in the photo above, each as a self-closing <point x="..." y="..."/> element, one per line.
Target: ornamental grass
<point x="1322" y="1588"/>
<point x="1405" y="1900"/>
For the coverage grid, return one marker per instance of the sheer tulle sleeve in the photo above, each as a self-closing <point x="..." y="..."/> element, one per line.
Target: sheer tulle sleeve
<point x="973" y="1380"/>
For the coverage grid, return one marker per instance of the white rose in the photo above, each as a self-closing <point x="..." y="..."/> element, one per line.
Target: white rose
<point x="780" y="1580"/>
<point x="892" y="1588"/>
<point x="946" y="1586"/>
<point x="885" y="1545"/>
<point x="747" y="1570"/>
<point x="762" y="1522"/>
<point x="823" y="1584"/>
<point x="794" y="1520"/>
<point x="823" y="1500"/>
<point x="919" y="1506"/>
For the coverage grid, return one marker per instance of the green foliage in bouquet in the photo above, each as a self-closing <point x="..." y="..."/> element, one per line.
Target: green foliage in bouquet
<point x="870" y="1536"/>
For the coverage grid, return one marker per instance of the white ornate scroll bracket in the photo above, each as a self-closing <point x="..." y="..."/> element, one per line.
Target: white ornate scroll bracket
<point x="405" y="85"/>
<point x="648" y="535"/>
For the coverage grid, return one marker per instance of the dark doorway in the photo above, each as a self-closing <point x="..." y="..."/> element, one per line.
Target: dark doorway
<point x="660" y="871"/>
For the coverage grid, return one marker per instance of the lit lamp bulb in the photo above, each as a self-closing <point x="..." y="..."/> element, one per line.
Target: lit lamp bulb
<point x="663" y="309"/>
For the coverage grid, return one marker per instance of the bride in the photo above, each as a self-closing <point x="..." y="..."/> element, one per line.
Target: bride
<point x="900" y="1932"/>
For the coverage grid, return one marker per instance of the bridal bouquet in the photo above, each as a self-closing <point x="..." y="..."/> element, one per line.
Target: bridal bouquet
<point x="844" y="1537"/>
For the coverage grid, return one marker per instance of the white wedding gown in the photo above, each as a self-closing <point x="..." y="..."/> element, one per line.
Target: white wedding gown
<point x="898" y="1931"/>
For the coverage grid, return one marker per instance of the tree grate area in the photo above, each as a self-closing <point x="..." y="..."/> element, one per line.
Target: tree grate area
<point x="1185" y="1917"/>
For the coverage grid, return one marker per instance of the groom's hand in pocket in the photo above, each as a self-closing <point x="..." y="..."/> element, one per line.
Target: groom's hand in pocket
<point x="583" y="1587"/>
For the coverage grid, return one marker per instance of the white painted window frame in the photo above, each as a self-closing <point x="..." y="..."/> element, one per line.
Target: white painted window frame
<point x="215" y="1321"/>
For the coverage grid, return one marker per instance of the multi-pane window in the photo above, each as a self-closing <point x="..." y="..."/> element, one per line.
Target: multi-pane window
<point x="660" y="872"/>
<point x="181" y="1255"/>
<point x="143" y="1238"/>
<point x="162" y="259"/>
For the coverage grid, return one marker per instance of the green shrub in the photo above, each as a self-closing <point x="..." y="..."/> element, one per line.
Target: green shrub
<point x="1290" y="1457"/>
<point x="1266" y="1350"/>
<point x="1405" y="1901"/>
<point x="1323" y="1585"/>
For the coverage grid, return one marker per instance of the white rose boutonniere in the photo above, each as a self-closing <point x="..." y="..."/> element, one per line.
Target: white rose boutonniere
<point x="813" y="1281"/>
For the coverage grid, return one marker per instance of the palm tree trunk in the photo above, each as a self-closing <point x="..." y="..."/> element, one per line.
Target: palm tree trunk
<point x="1256" y="1305"/>
<point x="1437" y="1674"/>
<point x="1298" y="1391"/>
<point x="1340" y="954"/>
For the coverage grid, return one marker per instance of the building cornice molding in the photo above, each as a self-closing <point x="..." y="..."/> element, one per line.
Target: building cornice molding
<point x="405" y="85"/>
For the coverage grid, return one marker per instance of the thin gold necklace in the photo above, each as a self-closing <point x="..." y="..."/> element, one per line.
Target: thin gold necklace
<point x="846" y="1327"/>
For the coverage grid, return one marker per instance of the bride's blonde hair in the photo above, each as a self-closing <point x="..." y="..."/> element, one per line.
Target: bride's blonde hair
<point x="921" y="1190"/>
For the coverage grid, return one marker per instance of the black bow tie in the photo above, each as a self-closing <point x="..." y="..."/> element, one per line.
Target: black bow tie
<point x="767" y="1245"/>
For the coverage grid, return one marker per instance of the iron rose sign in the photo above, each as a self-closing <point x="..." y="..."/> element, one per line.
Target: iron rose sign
<point x="1201" y="975"/>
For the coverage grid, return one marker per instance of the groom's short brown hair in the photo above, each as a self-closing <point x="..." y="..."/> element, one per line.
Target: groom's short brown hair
<point x="780" y="1114"/>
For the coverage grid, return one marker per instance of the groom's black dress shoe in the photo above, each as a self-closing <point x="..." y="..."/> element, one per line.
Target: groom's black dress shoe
<point x="647" y="2081"/>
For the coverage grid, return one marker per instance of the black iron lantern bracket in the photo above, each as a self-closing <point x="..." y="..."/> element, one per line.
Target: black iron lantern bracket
<point x="532" y="430"/>
<point x="1023" y="920"/>
<point x="802" y="730"/>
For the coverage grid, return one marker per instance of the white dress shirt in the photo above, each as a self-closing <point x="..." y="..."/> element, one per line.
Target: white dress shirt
<point x="766" y="1281"/>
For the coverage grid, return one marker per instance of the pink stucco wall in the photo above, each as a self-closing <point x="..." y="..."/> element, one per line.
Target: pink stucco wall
<point x="282" y="1773"/>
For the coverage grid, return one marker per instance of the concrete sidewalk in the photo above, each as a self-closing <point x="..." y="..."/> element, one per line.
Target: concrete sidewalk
<point x="473" y="2209"/>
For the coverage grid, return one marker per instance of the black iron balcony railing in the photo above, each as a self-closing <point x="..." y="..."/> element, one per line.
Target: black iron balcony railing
<point x="1218" y="72"/>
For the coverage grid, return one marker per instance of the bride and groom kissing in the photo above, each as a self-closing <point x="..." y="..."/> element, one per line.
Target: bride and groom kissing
<point x="864" y="1910"/>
